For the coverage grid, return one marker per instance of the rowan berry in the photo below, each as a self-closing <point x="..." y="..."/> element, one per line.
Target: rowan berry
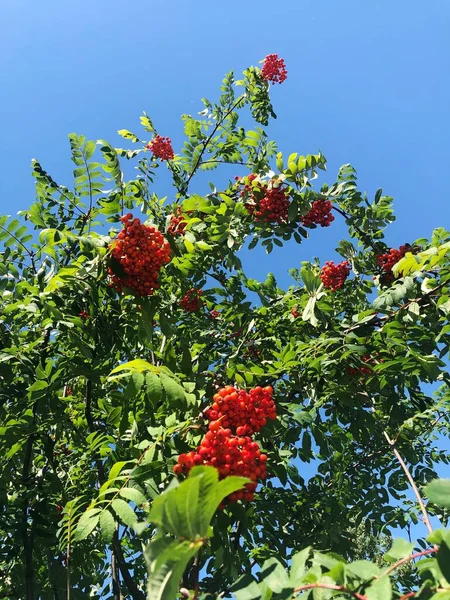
<point x="191" y="301"/>
<point x="230" y="455"/>
<point x="161" y="147"/>
<point x="274" y="69"/>
<point x="388" y="259"/>
<point x="319" y="214"/>
<point x="177" y="225"/>
<point x="333" y="276"/>
<point x="267" y="202"/>
<point x="244" y="412"/>
<point x="140" y="252"/>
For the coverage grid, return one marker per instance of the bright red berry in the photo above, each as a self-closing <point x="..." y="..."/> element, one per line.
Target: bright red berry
<point x="267" y="202"/>
<point x="319" y="214"/>
<point x="161" y="147"/>
<point x="141" y="251"/>
<point x="192" y="301"/>
<point x="274" y="69"/>
<point x="177" y="225"/>
<point x="333" y="276"/>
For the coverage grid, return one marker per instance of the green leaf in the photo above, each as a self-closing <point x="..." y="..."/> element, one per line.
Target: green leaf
<point x="380" y="590"/>
<point x="400" y="549"/>
<point x="174" y="391"/>
<point x="154" y="388"/>
<point x="87" y="524"/>
<point x="438" y="491"/>
<point x="246" y="588"/>
<point x="134" y="385"/>
<point x="363" y="569"/>
<point x="166" y="561"/>
<point x="134" y="495"/>
<point x="187" y="510"/>
<point x="124" y="511"/>
<point x="298" y="566"/>
<point x="275" y="575"/>
<point x="107" y="526"/>
<point x="137" y="364"/>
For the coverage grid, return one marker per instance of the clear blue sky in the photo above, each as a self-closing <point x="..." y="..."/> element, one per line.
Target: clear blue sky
<point x="367" y="84"/>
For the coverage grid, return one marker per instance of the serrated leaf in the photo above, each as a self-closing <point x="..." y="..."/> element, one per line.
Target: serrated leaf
<point x="107" y="526"/>
<point x="124" y="511"/>
<point x="134" y="495"/>
<point x="275" y="576"/>
<point x="166" y="561"/>
<point x="187" y="510"/>
<point x="154" y="387"/>
<point x="87" y="524"/>
<point x="380" y="590"/>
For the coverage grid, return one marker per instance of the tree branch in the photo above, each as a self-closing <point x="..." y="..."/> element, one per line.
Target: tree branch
<point x="330" y="586"/>
<point x="208" y="139"/>
<point x="411" y="481"/>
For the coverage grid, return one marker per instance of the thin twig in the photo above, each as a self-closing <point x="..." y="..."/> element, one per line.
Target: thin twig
<point x="208" y="139"/>
<point x="411" y="481"/>
<point x="403" y="561"/>
<point x="330" y="586"/>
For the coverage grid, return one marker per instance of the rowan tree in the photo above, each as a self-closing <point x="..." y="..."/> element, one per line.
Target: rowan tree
<point x="156" y="419"/>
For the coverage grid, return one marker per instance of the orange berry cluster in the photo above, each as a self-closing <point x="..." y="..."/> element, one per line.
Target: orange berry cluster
<point x="161" y="147"/>
<point x="141" y="251"/>
<point x="274" y="69"/>
<point x="227" y="446"/>
<point x="230" y="455"/>
<point x="333" y="276"/>
<point x="264" y="201"/>
<point x="319" y="214"/>
<point x="246" y="412"/>
<point x="192" y="301"/>
<point x="177" y="225"/>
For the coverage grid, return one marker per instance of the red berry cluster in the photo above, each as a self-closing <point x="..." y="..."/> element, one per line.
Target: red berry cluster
<point x="362" y="370"/>
<point x="234" y="416"/>
<point x="177" y="225"/>
<point x="333" y="276"/>
<point x="161" y="147"/>
<point x="191" y="301"/>
<point x="274" y="69"/>
<point x="215" y="314"/>
<point x="387" y="260"/>
<point x="84" y="315"/>
<point x="141" y="251"/>
<point x="245" y="412"/>
<point x="319" y="214"/>
<point x="266" y="202"/>
<point x="295" y="313"/>
<point x="230" y="455"/>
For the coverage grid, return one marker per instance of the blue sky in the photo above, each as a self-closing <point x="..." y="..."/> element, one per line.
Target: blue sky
<point x="367" y="84"/>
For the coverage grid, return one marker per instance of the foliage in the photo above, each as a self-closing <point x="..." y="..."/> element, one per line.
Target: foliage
<point x="101" y="391"/>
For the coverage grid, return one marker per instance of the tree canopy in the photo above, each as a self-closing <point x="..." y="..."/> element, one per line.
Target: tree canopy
<point x="157" y="404"/>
